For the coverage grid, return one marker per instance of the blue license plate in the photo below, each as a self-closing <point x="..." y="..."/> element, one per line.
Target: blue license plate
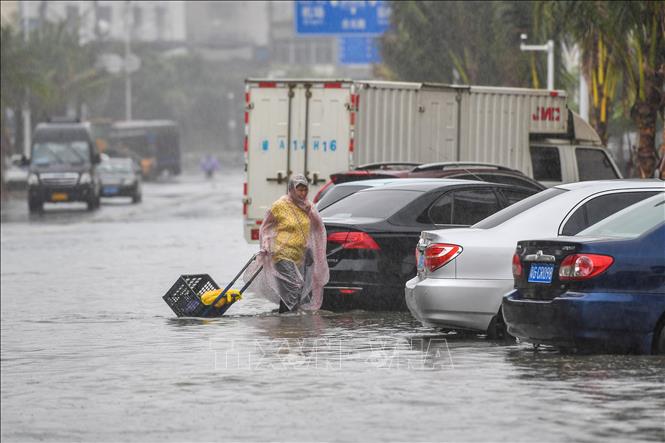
<point x="421" y="261"/>
<point x="110" y="190"/>
<point x="541" y="274"/>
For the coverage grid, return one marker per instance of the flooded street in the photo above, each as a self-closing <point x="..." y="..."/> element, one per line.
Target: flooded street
<point x="90" y="351"/>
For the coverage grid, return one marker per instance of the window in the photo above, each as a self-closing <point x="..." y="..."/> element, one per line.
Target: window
<point x="519" y="207"/>
<point x="371" y="203"/>
<point x="632" y="221"/>
<point x="336" y="194"/>
<point x="60" y="152"/>
<point x="471" y="206"/>
<point x="160" y="21"/>
<point x="138" y="17"/>
<point x="104" y="13"/>
<point x="599" y="208"/>
<point x="72" y="13"/>
<point x="593" y="164"/>
<point x="546" y="163"/>
<point x="441" y="211"/>
<point x="513" y="196"/>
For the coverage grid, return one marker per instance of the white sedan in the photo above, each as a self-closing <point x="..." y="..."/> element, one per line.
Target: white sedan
<point x="463" y="273"/>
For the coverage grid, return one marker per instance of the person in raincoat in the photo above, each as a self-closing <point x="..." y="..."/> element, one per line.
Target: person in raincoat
<point x="293" y="252"/>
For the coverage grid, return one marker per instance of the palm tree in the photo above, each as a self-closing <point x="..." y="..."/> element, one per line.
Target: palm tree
<point x="67" y="67"/>
<point x="18" y="74"/>
<point x="623" y="44"/>
<point x="641" y="54"/>
<point x="588" y="24"/>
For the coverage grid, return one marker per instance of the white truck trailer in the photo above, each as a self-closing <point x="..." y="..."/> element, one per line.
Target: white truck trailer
<point x="319" y="127"/>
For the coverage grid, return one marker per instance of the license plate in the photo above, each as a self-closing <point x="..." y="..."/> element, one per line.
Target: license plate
<point x="110" y="189"/>
<point x="59" y="196"/>
<point x="541" y="274"/>
<point x="421" y="261"/>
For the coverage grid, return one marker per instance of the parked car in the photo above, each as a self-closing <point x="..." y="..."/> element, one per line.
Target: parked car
<point x="372" y="234"/>
<point x="15" y="174"/>
<point x="369" y="171"/>
<point x="63" y="165"/>
<point x="464" y="273"/>
<point x="343" y="190"/>
<point x="120" y="177"/>
<point x="464" y="170"/>
<point x="603" y="289"/>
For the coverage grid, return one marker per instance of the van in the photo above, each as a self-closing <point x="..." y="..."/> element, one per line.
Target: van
<point x="63" y="166"/>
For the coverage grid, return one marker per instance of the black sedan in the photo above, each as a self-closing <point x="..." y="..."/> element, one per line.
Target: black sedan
<point x="372" y="234"/>
<point x="120" y="178"/>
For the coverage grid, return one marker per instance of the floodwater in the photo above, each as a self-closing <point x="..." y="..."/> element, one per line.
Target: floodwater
<point x="90" y="352"/>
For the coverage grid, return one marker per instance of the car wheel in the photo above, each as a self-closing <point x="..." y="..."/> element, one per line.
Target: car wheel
<point x="93" y="203"/>
<point x="659" y="340"/>
<point x="137" y="197"/>
<point x="497" y="329"/>
<point x="35" y="205"/>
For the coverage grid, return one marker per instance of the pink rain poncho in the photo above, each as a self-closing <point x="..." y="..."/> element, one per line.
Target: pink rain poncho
<point x="293" y="252"/>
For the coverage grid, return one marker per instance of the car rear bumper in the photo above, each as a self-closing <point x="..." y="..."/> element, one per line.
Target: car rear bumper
<point x="606" y="321"/>
<point x="455" y="303"/>
<point x="118" y="190"/>
<point x="344" y="296"/>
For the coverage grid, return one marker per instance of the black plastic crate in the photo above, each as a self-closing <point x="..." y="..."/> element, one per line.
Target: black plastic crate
<point x="184" y="297"/>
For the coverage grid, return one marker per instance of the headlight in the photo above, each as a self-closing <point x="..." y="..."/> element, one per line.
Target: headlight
<point x="33" y="179"/>
<point x="85" y="178"/>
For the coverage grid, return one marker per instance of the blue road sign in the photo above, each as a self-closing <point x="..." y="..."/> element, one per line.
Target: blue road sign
<point x="359" y="50"/>
<point x="332" y="17"/>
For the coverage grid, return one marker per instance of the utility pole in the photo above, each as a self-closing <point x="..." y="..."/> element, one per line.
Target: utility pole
<point x="549" y="48"/>
<point x="25" y="109"/>
<point x="128" y="78"/>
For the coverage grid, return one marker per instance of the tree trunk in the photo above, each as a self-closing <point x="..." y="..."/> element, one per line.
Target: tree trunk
<point x="645" y="115"/>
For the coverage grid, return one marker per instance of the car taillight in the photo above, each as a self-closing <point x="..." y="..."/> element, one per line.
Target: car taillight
<point x="584" y="266"/>
<point x="438" y="254"/>
<point x="353" y="240"/>
<point x="517" y="266"/>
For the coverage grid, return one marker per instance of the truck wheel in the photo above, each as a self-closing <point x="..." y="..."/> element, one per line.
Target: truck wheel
<point x="35" y="205"/>
<point x="659" y="339"/>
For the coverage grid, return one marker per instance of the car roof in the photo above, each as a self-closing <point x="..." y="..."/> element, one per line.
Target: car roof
<point x="396" y="180"/>
<point x="603" y="185"/>
<point x="425" y="185"/>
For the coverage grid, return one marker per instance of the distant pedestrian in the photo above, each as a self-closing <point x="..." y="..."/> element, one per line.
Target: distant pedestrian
<point x="209" y="165"/>
<point x="293" y="251"/>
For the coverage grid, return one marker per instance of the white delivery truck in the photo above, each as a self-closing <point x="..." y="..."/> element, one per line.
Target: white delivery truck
<point x="319" y="127"/>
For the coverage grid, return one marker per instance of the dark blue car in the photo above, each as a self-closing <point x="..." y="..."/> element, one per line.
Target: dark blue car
<point x="602" y="290"/>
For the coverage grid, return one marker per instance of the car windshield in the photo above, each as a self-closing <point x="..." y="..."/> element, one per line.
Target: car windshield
<point x="632" y="221"/>
<point x="115" y="167"/>
<point x="61" y="152"/>
<point x="373" y="203"/>
<point x="511" y="211"/>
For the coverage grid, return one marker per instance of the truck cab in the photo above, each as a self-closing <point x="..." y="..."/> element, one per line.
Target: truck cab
<point x="579" y="156"/>
<point x="63" y="166"/>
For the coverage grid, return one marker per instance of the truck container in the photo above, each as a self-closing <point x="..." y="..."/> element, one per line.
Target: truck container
<point x="319" y="127"/>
